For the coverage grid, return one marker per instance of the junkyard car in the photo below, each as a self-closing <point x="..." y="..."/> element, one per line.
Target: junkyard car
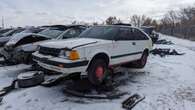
<point x="20" y="47"/>
<point x="4" y="38"/>
<point x="96" y="49"/>
<point x="150" y="31"/>
<point x="2" y="31"/>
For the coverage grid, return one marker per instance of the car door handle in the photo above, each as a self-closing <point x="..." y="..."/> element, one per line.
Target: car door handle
<point x="133" y="43"/>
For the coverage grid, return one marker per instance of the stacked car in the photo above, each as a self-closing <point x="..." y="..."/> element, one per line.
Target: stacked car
<point x="20" y="47"/>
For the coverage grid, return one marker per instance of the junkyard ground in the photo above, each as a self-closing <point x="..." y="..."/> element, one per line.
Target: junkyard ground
<point x="167" y="83"/>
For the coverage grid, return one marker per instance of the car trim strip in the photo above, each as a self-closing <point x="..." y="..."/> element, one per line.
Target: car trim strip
<point x="124" y="55"/>
<point x="65" y="65"/>
<point x="83" y="45"/>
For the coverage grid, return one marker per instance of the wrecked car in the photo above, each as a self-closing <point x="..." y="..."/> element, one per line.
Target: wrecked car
<point x="20" y="47"/>
<point x="95" y="51"/>
<point x="7" y="36"/>
<point x="150" y="31"/>
<point x="4" y="31"/>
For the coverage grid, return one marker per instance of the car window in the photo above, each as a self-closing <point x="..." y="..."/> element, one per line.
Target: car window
<point x="139" y="35"/>
<point x="125" y="34"/>
<point x="100" y="32"/>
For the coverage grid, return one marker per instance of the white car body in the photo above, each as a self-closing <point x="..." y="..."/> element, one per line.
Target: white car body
<point x="117" y="51"/>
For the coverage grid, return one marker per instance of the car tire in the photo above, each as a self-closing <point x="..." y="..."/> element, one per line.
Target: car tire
<point x="138" y="63"/>
<point x="142" y="62"/>
<point x="97" y="71"/>
<point x="29" y="79"/>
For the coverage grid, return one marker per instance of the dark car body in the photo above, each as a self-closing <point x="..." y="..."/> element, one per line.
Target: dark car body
<point x="150" y="31"/>
<point x="2" y="31"/>
<point x="20" y="47"/>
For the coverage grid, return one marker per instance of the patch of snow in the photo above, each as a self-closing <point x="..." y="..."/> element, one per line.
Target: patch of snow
<point x="167" y="83"/>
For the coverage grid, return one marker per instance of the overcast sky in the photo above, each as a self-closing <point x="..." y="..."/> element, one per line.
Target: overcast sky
<point x="40" y="12"/>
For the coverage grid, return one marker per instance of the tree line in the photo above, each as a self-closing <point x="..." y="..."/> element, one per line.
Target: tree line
<point x="180" y="23"/>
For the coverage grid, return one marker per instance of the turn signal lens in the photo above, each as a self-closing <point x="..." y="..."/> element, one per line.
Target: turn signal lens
<point x="73" y="55"/>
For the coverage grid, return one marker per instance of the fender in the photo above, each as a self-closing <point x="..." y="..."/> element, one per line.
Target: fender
<point x="93" y="53"/>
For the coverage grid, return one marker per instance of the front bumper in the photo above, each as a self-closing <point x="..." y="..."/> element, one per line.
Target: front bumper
<point x="59" y="64"/>
<point x="6" y="54"/>
<point x="14" y="55"/>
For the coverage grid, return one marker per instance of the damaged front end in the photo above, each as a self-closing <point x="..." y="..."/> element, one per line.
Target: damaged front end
<point x="19" y="54"/>
<point x="19" y="49"/>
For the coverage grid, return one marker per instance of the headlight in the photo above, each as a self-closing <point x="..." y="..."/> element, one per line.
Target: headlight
<point x="63" y="54"/>
<point x="72" y="55"/>
<point x="29" y="48"/>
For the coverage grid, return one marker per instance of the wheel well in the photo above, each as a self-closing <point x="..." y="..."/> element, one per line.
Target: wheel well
<point x="103" y="56"/>
<point x="147" y="51"/>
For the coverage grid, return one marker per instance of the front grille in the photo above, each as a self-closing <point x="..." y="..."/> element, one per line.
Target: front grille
<point x="49" y="51"/>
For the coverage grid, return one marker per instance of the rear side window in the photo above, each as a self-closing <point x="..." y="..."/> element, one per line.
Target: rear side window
<point x="139" y="35"/>
<point x="125" y="34"/>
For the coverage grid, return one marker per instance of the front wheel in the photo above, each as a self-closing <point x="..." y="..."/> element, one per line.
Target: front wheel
<point x="97" y="71"/>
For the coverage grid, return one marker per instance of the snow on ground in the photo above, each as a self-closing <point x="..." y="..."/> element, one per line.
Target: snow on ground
<point x="167" y="83"/>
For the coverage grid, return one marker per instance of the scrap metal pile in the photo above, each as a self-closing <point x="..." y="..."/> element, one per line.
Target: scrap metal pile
<point x="164" y="41"/>
<point x="165" y="51"/>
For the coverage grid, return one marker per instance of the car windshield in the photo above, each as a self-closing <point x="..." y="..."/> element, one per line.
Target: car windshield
<point x="51" y="33"/>
<point x="32" y="30"/>
<point x="12" y="32"/>
<point x="71" y="33"/>
<point x="4" y="31"/>
<point x="100" y="32"/>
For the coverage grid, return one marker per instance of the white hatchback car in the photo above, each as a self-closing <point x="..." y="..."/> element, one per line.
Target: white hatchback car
<point x="95" y="50"/>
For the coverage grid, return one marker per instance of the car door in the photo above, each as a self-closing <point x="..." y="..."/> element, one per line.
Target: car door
<point x="124" y="47"/>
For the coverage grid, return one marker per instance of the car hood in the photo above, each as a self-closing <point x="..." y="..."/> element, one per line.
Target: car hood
<point x="19" y="36"/>
<point x="4" y="39"/>
<point x="70" y="43"/>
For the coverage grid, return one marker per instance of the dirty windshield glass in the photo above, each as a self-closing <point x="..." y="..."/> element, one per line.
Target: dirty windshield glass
<point x="51" y="33"/>
<point x="12" y="32"/>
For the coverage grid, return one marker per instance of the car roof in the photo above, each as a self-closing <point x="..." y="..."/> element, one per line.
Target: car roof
<point x="63" y="27"/>
<point x="114" y="25"/>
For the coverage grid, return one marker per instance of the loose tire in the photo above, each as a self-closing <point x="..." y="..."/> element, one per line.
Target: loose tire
<point x="30" y="79"/>
<point x="97" y="71"/>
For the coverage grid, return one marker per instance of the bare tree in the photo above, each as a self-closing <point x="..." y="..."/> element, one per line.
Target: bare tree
<point x="141" y="20"/>
<point x="135" y="20"/>
<point x="112" y="20"/>
<point x="179" y="23"/>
